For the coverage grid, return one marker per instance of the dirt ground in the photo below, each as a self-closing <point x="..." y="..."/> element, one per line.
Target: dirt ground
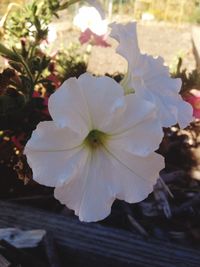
<point x="158" y="39"/>
<point x="155" y="38"/>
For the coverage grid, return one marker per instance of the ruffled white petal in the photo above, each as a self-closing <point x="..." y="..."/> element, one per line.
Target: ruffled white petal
<point x="133" y="177"/>
<point x="149" y="77"/>
<point x="49" y="137"/>
<point x="98" y="6"/>
<point x="137" y="128"/>
<point x="68" y="107"/>
<point x="56" y="167"/>
<point x="54" y="154"/>
<point x="184" y="114"/>
<point x="106" y="177"/>
<point x="155" y="84"/>
<point x="104" y="97"/>
<point x="126" y="35"/>
<point x="90" y="193"/>
<point x="89" y="101"/>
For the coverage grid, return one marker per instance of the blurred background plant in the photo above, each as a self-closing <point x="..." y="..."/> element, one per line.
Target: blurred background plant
<point x="70" y="62"/>
<point x="168" y="10"/>
<point x="31" y="72"/>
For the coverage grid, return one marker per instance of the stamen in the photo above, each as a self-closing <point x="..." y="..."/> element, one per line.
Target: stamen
<point x="95" y="138"/>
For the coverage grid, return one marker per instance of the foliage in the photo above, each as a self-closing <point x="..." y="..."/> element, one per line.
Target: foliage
<point x="189" y="80"/>
<point x="161" y="9"/>
<point x="70" y="63"/>
<point x="31" y="77"/>
<point x="195" y="17"/>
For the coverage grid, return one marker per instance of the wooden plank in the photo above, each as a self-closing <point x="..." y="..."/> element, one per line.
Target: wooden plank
<point x="19" y="257"/>
<point x="4" y="262"/>
<point x="91" y="244"/>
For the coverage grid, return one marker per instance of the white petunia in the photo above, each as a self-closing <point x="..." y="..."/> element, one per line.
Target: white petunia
<point x="98" y="147"/>
<point x="52" y="33"/>
<point x="96" y="4"/>
<point x="90" y="18"/>
<point x="148" y="77"/>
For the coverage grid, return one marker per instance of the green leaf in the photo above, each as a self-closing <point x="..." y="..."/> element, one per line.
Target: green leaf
<point x="67" y="4"/>
<point x="4" y="51"/>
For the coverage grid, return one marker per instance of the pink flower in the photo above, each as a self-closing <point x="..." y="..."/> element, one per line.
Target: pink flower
<point x="54" y="79"/>
<point x="93" y="28"/>
<point x="93" y="38"/>
<point x="18" y="140"/>
<point x="194" y="99"/>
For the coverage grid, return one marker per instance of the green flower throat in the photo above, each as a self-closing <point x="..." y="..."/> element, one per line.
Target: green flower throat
<point x="95" y="139"/>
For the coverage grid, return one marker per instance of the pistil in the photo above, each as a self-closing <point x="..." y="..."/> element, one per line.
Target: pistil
<point x="95" y="139"/>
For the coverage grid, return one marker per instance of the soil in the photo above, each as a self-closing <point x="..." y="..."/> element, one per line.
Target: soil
<point x="157" y="39"/>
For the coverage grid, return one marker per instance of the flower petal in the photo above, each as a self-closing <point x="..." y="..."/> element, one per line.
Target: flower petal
<point x="53" y="169"/>
<point x="104" y="96"/>
<point x="54" y="154"/>
<point x="126" y="35"/>
<point x="48" y="136"/>
<point x="133" y="177"/>
<point x="149" y="77"/>
<point x="156" y="85"/>
<point x="85" y="101"/>
<point x="184" y="114"/>
<point x="68" y="107"/>
<point x="98" y="6"/>
<point x="137" y="129"/>
<point x="89" y="193"/>
<point x="92" y="192"/>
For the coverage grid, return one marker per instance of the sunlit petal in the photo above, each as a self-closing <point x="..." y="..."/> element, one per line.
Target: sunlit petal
<point x="54" y="153"/>
<point x="67" y="105"/>
<point x="90" y="193"/>
<point x="98" y="147"/>
<point x="133" y="177"/>
<point x="103" y="95"/>
<point x="137" y="128"/>
<point x="149" y="77"/>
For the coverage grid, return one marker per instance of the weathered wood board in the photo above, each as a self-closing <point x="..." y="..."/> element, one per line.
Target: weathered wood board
<point x="91" y="244"/>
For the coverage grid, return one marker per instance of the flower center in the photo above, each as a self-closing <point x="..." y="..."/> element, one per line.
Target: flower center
<point x="95" y="138"/>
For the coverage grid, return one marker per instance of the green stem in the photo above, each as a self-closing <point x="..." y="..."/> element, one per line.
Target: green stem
<point x="23" y="62"/>
<point x="37" y="77"/>
<point x="27" y="70"/>
<point x="124" y="83"/>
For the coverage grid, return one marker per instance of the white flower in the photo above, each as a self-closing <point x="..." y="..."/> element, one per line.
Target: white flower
<point x="52" y="33"/>
<point x="148" y="77"/>
<point x="47" y="44"/>
<point x="146" y="16"/>
<point x="90" y="18"/>
<point x="98" y="147"/>
<point x="98" y="6"/>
